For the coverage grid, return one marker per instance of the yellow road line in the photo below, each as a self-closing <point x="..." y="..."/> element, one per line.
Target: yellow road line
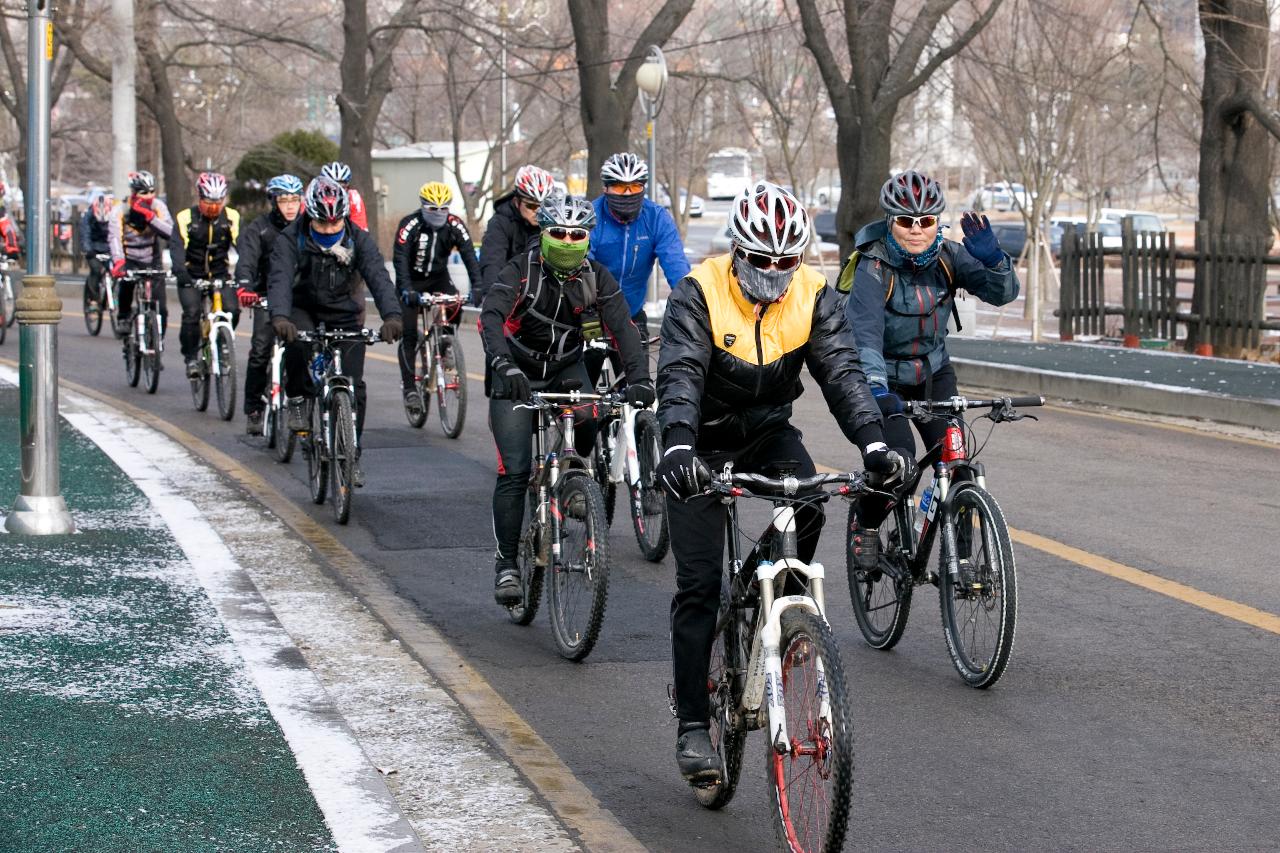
<point x="572" y="801"/>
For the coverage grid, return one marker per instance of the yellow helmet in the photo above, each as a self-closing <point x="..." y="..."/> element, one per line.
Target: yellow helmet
<point x="435" y="193"/>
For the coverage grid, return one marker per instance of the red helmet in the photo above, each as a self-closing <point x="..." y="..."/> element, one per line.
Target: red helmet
<point x="326" y="200"/>
<point x="533" y="183"/>
<point x="211" y="186"/>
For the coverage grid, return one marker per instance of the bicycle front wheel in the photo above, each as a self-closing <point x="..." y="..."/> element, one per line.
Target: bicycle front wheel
<point x="451" y="385"/>
<point x="417" y="415"/>
<point x="92" y="313"/>
<point x="881" y="597"/>
<point x="317" y="454"/>
<point x="225" y="379"/>
<point x="132" y="360"/>
<point x="342" y="457"/>
<point x="580" y="577"/>
<point x="810" y="784"/>
<point x="980" y="604"/>
<point x="151" y="359"/>
<point x="724" y="682"/>
<point x="648" y="503"/>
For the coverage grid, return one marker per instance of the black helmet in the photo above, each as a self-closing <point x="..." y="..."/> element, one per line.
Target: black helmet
<point x="142" y="181"/>
<point x="912" y="194"/>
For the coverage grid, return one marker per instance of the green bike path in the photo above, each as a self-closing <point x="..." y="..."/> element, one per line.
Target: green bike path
<point x="128" y="720"/>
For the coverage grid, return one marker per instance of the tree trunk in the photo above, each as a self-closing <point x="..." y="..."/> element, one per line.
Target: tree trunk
<point x="1235" y="166"/>
<point x="863" y="152"/>
<point x="173" y="156"/>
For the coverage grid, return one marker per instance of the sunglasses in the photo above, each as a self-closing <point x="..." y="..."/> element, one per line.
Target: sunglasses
<point x="573" y="235"/>
<point x="625" y="189"/>
<point x="763" y="262"/>
<point x="434" y="208"/>
<point x="909" y="222"/>
<point x="529" y="205"/>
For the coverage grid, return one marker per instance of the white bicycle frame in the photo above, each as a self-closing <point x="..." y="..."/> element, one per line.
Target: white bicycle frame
<point x="110" y="287"/>
<point x="764" y="667"/>
<point x="217" y="320"/>
<point x="139" y="317"/>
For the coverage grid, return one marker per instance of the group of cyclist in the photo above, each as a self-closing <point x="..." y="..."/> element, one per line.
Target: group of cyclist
<point x="555" y="272"/>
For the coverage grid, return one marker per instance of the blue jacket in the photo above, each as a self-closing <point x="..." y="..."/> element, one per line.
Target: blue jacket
<point x="628" y="251"/>
<point x="899" y="316"/>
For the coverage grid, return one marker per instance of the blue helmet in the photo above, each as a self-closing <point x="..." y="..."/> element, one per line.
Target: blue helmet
<point x="284" y="185"/>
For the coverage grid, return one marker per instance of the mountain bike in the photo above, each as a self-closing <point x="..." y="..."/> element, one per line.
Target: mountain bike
<point x="100" y="298"/>
<point x="217" y="353"/>
<point x="564" y="528"/>
<point x="976" y="577"/>
<point x="8" y="311"/>
<point x="439" y="366"/>
<point x="626" y="453"/>
<point x="144" y="342"/>
<point x="330" y="444"/>
<point x="275" y="418"/>
<point x="775" y="665"/>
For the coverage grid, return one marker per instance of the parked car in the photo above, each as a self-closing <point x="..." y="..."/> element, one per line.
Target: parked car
<point x="1143" y="220"/>
<point x="662" y="197"/>
<point x="824" y="224"/>
<point x="1109" y="229"/>
<point x="1001" y="196"/>
<point x="828" y="196"/>
<point x="1013" y="237"/>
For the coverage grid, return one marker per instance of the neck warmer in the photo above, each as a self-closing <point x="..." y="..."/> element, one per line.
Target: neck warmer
<point x="761" y="286"/>
<point x="624" y="208"/>
<point x="327" y="241"/>
<point x="435" y="218"/>
<point x="900" y="257"/>
<point x="563" y="257"/>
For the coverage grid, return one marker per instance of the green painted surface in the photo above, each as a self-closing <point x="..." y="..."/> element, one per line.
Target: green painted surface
<point x="127" y="720"/>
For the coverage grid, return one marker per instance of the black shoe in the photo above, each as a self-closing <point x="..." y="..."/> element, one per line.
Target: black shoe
<point x="193" y="369"/>
<point x="413" y="402"/>
<point x="698" y="760"/>
<point x="298" y="421"/>
<point x="865" y="543"/>
<point x="506" y="585"/>
<point x="253" y="423"/>
<point x="357" y="476"/>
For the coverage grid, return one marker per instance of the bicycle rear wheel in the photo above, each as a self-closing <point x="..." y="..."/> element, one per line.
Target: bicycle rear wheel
<point x="342" y="458"/>
<point x="531" y="572"/>
<point x="601" y="462"/>
<point x="200" y="385"/>
<point x="225" y="380"/>
<point x="724" y="682"/>
<point x="980" y="605"/>
<point x="648" y="503"/>
<point x="811" y="783"/>
<point x="452" y="390"/>
<point x="317" y="454"/>
<point x="417" y="415"/>
<point x="132" y="360"/>
<point x="882" y="597"/>
<point x="580" y="578"/>
<point x="151" y="359"/>
<point x="92" y="313"/>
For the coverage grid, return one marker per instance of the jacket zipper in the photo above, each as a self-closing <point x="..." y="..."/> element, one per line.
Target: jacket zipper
<point x="626" y="236"/>
<point x="208" y="250"/>
<point x="760" y="309"/>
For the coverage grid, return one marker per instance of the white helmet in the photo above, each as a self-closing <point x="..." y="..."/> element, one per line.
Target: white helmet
<point x="769" y="220"/>
<point x="624" y="168"/>
<point x="533" y="183"/>
<point x="336" y="171"/>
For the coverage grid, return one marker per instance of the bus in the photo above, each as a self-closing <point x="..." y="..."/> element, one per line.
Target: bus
<point x="728" y="172"/>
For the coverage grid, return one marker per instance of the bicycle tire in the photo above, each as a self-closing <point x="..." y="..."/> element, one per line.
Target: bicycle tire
<point x="531" y="574"/>
<point x="151" y="361"/>
<point x="728" y="734"/>
<point x="10" y="304"/>
<point x="987" y="587"/>
<point x="418" y="416"/>
<point x="579" y="500"/>
<point x="317" y="465"/>
<point x="225" y="380"/>
<point x="648" y="502"/>
<point x="881" y="601"/>
<point x="270" y="428"/>
<point x="4" y="326"/>
<point x="92" y="313"/>
<point x="342" y="456"/>
<point x="200" y="386"/>
<point x="601" y="463"/>
<point x="132" y="360"/>
<point x="452" y="403"/>
<point x="286" y="439"/>
<point x="811" y="794"/>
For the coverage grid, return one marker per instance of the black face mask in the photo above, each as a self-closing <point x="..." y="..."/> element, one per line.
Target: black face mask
<point x="624" y="207"/>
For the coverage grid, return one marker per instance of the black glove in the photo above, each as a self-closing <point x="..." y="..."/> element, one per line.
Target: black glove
<point x="640" y="394"/>
<point x="680" y="471"/>
<point x="517" y="384"/>
<point x="285" y="329"/>
<point x="184" y="278"/>
<point x="889" y="402"/>
<point x="879" y="459"/>
<point x="392" y="329"/>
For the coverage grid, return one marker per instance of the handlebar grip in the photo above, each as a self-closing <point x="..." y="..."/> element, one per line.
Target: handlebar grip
<point x="1026" y="401"/>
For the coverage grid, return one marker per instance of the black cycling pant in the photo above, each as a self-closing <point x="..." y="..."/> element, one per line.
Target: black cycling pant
<point x="512" y="430"/>
<point x="897" y="434"/>
<point x="93" y="281"/>
<point x="594" y="358"/>
<point x="257" y="372"/>
<point x="158" y="290"/>
<point x="409" y="342"/>
<point x="297" y="358"/>
<point x="192" y="311"/>
<point x="697" y="541"/>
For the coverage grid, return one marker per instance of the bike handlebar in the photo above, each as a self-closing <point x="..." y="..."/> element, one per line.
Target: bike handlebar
<point x="143" y="273"/>
<point x="369" y="336"/>
<point x="556" y="400"/>
<point x="960" y="404"/>
<point x="732" y="483"/>
<point x="440" y="299"/>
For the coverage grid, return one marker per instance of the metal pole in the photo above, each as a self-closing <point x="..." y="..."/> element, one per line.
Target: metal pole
<point x="124" y="121"/>
<point x="39" y="508"/>
<point x="651" y="108"/>
<point x="502" y="126"/>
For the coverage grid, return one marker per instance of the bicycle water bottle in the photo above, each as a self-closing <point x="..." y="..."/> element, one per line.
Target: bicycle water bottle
<point x="926" y="504"/>
<point x="317" y="368"/>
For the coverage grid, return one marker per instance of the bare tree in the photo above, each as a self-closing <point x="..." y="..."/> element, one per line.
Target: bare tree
<point x="890" y="56"/>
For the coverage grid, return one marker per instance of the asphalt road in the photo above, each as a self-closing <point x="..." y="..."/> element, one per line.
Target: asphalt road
<point x="1127" y="719"/>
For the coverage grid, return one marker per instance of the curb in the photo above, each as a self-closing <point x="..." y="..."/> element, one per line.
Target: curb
<point x="1147" y="397"/>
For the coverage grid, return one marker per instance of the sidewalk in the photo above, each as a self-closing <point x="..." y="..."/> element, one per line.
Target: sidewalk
<point x="181" y="675"/>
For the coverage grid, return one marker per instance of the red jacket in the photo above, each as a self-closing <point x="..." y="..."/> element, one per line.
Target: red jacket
<point x="358" y="214"/>
<point x="10" y="237"/>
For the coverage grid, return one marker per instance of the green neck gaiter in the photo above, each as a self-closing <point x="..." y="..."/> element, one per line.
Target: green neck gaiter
<point x="563" y="257"/>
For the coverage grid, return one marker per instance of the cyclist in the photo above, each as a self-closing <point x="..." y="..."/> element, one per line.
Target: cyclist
<point x="513" y="226"/>
<point x="341" y="173"/>
<point x="284" y="194"/>
<point x="736" y="334"/>
<point x="137" y="226"/>
<point x="205" y="234"/>
<point x="533" y="324"/>
<point x="424" y="241"/>
<point x="93" y="241"/>
<point x="904" y="280"/>
<point x="312" y="280"/>
<point x="11" y="241"/>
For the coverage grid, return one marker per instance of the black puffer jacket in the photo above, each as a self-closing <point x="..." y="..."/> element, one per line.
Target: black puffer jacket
<point x="326" y="286"/>
<point x="730" y="369"/>
<point x="254" y="249"/>
<point x="507" y="236"/>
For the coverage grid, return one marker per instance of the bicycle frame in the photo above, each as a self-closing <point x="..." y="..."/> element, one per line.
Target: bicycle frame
<point x="109" y="294"/>
<point x="214" y="319"/>
<point x="144" y="303"/>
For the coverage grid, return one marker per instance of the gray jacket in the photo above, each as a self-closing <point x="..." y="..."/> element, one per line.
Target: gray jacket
<point x="900" y="315"/>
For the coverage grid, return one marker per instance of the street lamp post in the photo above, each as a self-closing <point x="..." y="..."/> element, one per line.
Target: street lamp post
<point x="651" y="78"/>
<point x="39" y="509"/>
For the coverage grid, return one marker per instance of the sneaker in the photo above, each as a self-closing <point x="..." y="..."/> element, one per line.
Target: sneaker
<point x="358" y="476"/>
<point x="506" y="583"/>
<point x="652" y="500"/>
<point x="253" y="423"/>
<point x="865" y="542"/>
<point x="413" y="402"/>
<point x="697" y="758"/>
<point x="298" y="421"/>
<point x="194" y="370"/>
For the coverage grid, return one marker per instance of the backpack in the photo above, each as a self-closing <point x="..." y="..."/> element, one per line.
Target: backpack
<point x="844" y="284"/>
